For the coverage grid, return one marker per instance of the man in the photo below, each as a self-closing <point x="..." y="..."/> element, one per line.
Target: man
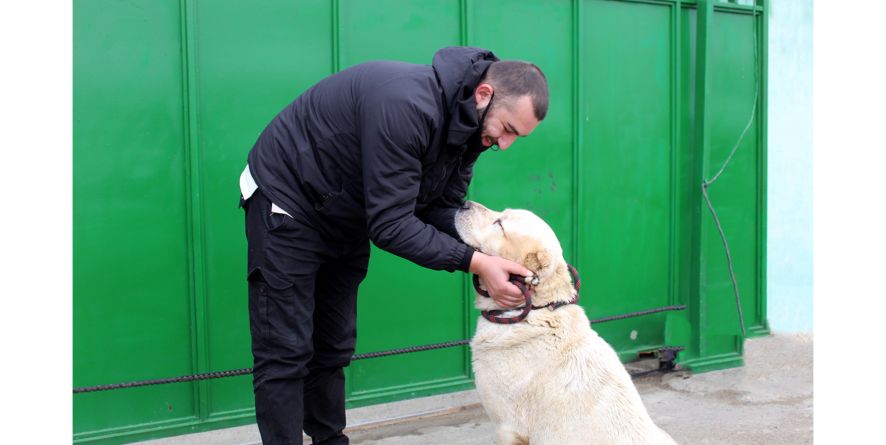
<point x="382" y="152"/>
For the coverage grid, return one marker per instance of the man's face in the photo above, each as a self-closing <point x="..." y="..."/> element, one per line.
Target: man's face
<point x="505" y="122"/>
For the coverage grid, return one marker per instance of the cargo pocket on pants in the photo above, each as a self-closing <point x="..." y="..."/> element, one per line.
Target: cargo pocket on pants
<point x="259" y="325"/>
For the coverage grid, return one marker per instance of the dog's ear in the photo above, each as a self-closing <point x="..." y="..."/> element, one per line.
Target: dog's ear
<point x="536" y="261"/>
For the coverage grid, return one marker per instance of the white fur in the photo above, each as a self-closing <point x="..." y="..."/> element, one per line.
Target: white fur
<point x="549" y="379"/>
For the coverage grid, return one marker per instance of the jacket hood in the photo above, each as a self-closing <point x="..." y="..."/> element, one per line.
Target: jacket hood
<point x="458" y="70"/>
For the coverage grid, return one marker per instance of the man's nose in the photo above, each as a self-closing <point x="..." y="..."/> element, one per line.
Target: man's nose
<point x="505" y="141"/>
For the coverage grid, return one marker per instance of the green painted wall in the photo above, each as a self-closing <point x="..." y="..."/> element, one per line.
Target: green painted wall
<point x="170" y="95"/>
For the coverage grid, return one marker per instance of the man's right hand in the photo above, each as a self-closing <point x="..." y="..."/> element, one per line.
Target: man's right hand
<point x="495" y="273"/>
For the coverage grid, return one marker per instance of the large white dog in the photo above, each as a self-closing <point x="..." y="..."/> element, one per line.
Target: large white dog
<point x="548" y="379"/>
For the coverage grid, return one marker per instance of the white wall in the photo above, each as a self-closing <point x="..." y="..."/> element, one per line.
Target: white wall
<point x="789" y="254"/>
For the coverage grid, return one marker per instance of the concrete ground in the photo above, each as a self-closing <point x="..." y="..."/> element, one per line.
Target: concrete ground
<point x="768" y="401"/>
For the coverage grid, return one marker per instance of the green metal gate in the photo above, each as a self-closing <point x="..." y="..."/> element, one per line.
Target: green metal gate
<point x="648" y="98"/>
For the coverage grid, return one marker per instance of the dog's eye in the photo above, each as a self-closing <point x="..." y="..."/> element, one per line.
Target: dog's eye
<point x="498" y="222"/>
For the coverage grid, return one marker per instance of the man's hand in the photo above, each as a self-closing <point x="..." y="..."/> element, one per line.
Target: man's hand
<point x="495" y="272"/>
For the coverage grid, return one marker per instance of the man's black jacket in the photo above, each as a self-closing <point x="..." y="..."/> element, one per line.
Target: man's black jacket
<point x="381" y="150"/>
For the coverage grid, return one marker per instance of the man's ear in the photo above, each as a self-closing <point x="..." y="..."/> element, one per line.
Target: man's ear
<point x="482" y="94"/>
<point x="537" y="261"/>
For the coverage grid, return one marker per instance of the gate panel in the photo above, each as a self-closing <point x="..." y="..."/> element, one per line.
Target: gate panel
<point x="626" y="115"/>
<point x="131" y="259"/>
<point x="396" y="289"/>
<point x="249" y="63"/>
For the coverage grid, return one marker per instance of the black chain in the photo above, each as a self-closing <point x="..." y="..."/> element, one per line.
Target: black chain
<point x="245" y="371"/>
<point x="411" y="349"/>
<point x="637" y="314"/>
<point x="187" y="378"/>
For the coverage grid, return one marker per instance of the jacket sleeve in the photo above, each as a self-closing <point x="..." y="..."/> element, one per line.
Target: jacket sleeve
<point x="394" y="132"/>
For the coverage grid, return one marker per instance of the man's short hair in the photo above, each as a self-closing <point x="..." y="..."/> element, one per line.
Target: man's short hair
<point x="513" y="79"/>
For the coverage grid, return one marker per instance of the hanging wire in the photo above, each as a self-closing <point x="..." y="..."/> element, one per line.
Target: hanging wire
<point x="707" y="183"/>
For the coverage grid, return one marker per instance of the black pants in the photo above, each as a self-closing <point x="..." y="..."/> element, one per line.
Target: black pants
<point x="302" y="315"/>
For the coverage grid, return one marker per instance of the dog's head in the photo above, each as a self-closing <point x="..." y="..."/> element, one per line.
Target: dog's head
<point x="522" y="237"/>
